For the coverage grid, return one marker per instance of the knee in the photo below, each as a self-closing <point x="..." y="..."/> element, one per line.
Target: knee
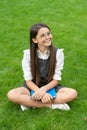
<point x="11" y="95"/>
<point x="74" y="94"/>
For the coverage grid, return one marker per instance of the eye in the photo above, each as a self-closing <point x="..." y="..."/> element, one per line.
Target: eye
<point x="43" y="35"/>
<point x="49" y="33"/>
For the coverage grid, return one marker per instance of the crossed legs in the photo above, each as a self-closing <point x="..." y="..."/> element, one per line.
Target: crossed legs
<point x="22" y="96"/>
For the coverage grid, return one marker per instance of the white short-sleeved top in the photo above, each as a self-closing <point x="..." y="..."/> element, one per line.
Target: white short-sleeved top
<point x="58" y="68"/>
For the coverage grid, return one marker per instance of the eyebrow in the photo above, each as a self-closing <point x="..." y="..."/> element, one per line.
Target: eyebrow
<point x="45" y="33"/>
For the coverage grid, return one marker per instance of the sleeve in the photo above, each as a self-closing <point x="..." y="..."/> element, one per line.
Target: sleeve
<point x="59" y="64"/>
<point x="26" y="65"/>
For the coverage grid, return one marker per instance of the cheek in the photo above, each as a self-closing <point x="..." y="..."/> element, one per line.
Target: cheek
<point x="40" y="41"/>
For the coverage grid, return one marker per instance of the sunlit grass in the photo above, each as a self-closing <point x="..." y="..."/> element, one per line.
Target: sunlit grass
<point x="68" y="21"/>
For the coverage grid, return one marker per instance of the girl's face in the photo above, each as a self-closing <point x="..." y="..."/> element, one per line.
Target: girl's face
<point x="43" y="38"/>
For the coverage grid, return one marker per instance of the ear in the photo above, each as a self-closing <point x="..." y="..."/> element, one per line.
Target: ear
<point x="34" y="40"/>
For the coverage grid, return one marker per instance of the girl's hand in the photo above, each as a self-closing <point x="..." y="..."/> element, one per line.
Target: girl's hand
<point x="47" y="98"/>
<point x="38" y="94"/>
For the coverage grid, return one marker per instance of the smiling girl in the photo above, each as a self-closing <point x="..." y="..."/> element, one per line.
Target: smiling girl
<point x="42" y="65"/>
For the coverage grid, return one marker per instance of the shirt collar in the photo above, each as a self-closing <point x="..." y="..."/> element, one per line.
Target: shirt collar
<point x="46" y="52"/>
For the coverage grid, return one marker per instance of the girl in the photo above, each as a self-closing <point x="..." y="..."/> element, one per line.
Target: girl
<point x="42" y="65"/>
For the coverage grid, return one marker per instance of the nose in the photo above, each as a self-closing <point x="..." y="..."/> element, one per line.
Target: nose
<point x="47" y="36"/>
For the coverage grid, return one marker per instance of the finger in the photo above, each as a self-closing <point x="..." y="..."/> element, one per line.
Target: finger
<point x="34" y="97"/>
<point x="50" y="96"/>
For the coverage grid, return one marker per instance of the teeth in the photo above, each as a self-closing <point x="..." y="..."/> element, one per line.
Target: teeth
<point x="48" y="40"/>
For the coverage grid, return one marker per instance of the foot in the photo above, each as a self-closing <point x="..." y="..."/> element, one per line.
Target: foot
<point x="23" y="108"/>
<point x="62" y="107"/>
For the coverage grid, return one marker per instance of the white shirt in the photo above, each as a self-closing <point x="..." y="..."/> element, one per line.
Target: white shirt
<point x="58" y="68"/>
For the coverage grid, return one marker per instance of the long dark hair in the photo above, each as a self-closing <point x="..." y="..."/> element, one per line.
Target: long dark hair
<point x="34" y="57"/>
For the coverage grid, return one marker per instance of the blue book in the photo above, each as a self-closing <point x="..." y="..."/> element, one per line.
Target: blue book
<point x="52" y="92"/>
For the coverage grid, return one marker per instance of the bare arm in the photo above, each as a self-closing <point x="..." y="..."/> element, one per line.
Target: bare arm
<point x="39" y="93"/>
<point x="32" y="85"/>
<point x="50" y="85"/>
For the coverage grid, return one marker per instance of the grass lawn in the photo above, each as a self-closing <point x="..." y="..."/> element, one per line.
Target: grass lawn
<point x="68" y="21"/>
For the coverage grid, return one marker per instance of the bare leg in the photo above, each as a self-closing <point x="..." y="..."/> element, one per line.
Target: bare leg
<point x="22" y="96"/>
<point x="65" y="95"/>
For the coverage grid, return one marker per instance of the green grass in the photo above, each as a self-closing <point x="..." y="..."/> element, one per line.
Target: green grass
<point x="68" y="21"/>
